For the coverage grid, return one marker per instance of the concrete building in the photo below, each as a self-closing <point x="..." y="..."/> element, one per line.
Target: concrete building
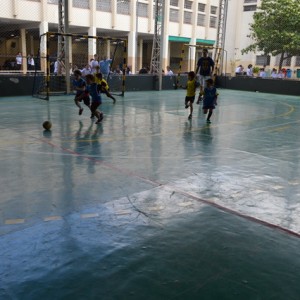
<point x="239" y="16"/>
<point x="190" y="22"/>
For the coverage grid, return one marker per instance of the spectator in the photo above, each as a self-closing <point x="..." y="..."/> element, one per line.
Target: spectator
<point x="262" y="73"/>
<point x="30" y="62"/>
<point x="143" y="70"/>
<point x="94" y="63"/>
<point x="86" y="70"/>
<point x="128" y="71"/>
<point x="239" y="70"/>
<point x="169" y="71"/>
<point x="274" y="73"/>
<point x="105" y="66"/>
<point x="250" y="70"/>
<point x="19" y="61"/>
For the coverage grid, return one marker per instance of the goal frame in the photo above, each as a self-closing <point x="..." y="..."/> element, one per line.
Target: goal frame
<point x="47" y="73"/>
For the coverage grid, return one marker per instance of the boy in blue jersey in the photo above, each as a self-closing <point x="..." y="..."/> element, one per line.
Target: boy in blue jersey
<point x="92" y="90"/>
<point x="210" y="99"/>
<point x="79" y="86"/>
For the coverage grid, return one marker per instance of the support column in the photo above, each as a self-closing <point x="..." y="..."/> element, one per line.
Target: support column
<point x="24" y="50"/>
<point x="44" y="28"/>
<point x="192" y="54"/>
<point x="132" y="50"/>
<point x="140" y="56"/>
<point x="92" y="46"/>
<point x="165" y="36"/>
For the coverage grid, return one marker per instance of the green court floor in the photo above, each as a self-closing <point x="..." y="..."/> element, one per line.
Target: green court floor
<point x="150" y="205"/>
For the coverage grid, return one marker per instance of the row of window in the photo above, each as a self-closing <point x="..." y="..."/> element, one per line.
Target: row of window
<point x="262" y="60"/>
<point x="123" y="7"/>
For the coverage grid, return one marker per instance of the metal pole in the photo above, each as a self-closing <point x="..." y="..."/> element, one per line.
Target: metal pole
<point x="67" y="47"/>
<point x="162" y="44"/>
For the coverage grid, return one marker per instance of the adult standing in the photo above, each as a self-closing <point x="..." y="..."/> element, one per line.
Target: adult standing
<point x="94" y="64"/>
<point x="250" y="71"/>
<point x="19" y="60"/>
<point x="105" y="66"/>
<point x="30" y="62"/>
<point x="169" y="71"/>
<point x="206" y="66"/>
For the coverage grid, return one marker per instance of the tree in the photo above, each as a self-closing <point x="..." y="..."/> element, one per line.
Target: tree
<point x="276" y="29"/>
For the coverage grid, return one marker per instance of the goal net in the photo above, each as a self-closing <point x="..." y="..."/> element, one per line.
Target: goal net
<point x="53" y="75"/>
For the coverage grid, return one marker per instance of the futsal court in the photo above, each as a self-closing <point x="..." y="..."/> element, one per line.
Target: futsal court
<point x="150" y="205"/>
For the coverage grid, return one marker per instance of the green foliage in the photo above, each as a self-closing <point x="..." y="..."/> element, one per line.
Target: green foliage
<point x="256" y="70"/>
<point x="276" y="29"/>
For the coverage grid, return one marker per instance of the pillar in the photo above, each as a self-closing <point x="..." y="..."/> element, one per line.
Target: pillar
<point x="92" y="46"/>
<point x="192" y="54"/>
<point x="132" y="50"/>
<point x="140" y="55"/>
<point x="44" y="28"/>
<point x="23" y="50"/>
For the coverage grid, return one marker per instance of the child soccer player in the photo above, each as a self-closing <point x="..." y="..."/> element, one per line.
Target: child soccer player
<point x="80" y="86"/>
<point x="103" y="86"/>
<point x="190" y="92"/>
<point x="210" y="99"/>
<point x="96" y="97"/>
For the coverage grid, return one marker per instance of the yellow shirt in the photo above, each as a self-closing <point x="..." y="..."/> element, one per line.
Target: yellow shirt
<point x="191" y="88"/>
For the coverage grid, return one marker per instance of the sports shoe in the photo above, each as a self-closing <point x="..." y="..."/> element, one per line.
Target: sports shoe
<point x="208" y="121"/>
<point x="190" y="117"/>
<point x="80" y="111"/>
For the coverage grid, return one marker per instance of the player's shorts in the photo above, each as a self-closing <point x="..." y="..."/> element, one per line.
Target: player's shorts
<point x="95" y="105"/>
<point x="202" y="80"/>
<point x="189" y="99"/>
<point x="86" y="100"/>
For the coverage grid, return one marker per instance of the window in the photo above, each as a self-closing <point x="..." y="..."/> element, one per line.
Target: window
<point x="201" y="7"/>
<point x="187" y="17"/>
<point x="250" y="8"/>
<point x="213" y="10"/>
<point x="250" y="1"/>
<point x="174" y="3"/>
<point x="188" y="4"/>
<point x="142" y="9"/>
<point x="123" y="7"/>
<point x="174" y="15"/>
<point x="201" y="20"/>
<point x="81" y="3"/>
<point x="263" y="60"/>
<point x="103" y="5"/>
<point x="297" y="63"/>
<point x="213" y="22"/>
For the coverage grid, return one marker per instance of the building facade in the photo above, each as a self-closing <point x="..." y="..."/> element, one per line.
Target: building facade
<point x="239" y="16"/>
<point x="188" y="24"/>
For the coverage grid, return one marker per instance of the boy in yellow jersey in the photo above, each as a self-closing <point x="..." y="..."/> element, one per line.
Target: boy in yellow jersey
<point x="191" y="87"/>
<point x="103" y="86"/>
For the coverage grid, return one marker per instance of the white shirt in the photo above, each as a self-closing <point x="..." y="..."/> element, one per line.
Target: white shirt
<point x="249" y="72"/>
<point x="31" y="61"/>
<point x="19" y="59"/>
<point x="94" y="64"/>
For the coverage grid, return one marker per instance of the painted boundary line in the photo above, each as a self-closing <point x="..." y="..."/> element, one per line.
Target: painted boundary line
<point x="173" y="188"/>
